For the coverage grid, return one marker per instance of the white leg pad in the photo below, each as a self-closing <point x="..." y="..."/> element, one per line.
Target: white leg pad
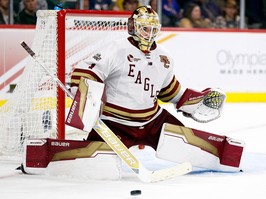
<point x="100" y="167"/>
<point x="80" y="159"/>
<point x="214" y="152"/>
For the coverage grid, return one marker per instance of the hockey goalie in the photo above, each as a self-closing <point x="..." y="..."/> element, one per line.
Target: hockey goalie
<point x="124" y="81"/>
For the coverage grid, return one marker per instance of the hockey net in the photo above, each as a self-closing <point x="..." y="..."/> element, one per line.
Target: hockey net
<point x="38" y="107"/>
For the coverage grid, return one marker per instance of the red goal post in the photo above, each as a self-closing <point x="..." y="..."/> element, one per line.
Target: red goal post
<point x="61" y="17"/>
<point x="38" y="107"/>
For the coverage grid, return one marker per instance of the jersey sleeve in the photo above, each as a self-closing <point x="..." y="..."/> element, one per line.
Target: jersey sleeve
<point x="172" y="90"/>
<point x="97" y="67"/>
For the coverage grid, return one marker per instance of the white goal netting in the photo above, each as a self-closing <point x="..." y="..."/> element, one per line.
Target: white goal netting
<point x="62" y="39"/>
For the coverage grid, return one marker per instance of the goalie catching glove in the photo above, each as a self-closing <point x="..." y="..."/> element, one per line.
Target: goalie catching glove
<point x="204" y="106"/>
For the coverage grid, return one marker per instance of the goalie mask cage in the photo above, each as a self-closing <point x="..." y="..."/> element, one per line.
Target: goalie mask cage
<point x="38" y="107"/>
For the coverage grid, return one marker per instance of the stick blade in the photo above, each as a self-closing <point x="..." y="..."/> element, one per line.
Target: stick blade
<point x="172" y="172"/>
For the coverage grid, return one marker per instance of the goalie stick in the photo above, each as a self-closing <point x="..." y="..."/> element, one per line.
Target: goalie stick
<point x="116" y="144"/>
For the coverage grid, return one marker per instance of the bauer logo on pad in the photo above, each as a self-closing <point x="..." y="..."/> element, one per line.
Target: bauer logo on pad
<point x="86" y="106"/>
<point x="73" y="118"/>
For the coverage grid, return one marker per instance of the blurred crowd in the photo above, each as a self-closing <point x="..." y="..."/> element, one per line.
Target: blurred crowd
<point x="174" y="13"/>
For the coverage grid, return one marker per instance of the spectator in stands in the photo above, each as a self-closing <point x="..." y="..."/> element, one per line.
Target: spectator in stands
<point x="193" y="18"/>
<point x="127" y="5"/>
<point x="230" y="17"/>
<point x="130" y="5"/>
<point x="41" y="5"/>
<point x="171" y="13"/>
<point x="4" y="11"/>
<point x="66" y="4"/>
<point x="114" y="6"/>
<point x="219" y="3"/>
<point x="101" y="5"/>
<point x="144" y="2"/>
<point x="153" y="4"/>
<point x="28" y="14"/>
<point x="209" y="9"/>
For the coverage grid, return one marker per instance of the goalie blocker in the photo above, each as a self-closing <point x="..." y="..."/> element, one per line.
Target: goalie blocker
<point x="87" y="104"/>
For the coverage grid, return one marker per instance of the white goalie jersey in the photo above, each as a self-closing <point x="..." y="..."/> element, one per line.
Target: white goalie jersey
<point x="131" y="79"/>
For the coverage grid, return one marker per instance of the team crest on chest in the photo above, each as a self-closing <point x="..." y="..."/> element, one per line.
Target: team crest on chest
<point x="164" y="59"/>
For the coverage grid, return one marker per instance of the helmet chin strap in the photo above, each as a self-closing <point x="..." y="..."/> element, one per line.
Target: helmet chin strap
<point x="144" y="45"/>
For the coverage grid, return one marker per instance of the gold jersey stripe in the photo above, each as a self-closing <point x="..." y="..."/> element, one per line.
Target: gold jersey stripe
<point x="191" y="138"/>
<point x="164" y="96"/>
<point x="166" y="99"/>
<point x="125" y="114"/>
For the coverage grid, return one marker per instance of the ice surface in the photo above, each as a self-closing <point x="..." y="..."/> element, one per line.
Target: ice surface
<point x="245" y="121"/>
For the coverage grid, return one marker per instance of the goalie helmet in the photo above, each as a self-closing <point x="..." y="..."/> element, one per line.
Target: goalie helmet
<point x="144" y="26"/>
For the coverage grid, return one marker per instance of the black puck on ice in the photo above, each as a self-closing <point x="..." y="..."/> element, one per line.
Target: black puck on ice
<point x="135" y="192"/>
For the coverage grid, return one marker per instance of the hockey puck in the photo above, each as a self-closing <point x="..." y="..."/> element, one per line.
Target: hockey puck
<point x="135" y="192"/>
